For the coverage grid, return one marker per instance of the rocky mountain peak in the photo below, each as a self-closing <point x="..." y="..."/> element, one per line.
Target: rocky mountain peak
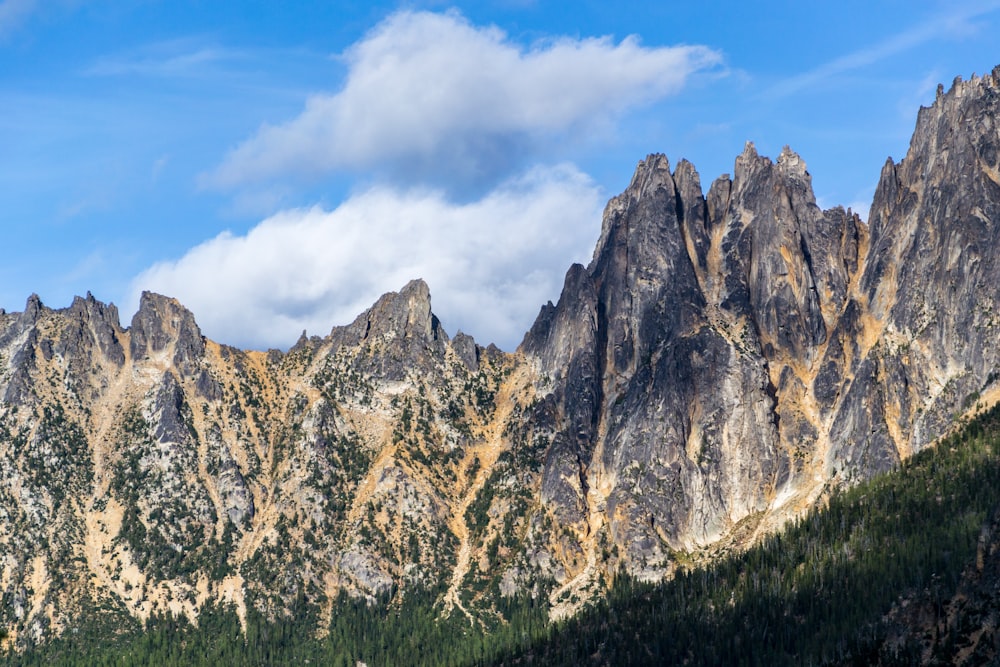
<point x="402" y="315"/>
<point x="398" y="333"/>
<point x="959" y="125"/>
<point x="748" y="161"/>
<point x="791" y="163"/>
<point x="719" y="305"/>
<point x="650" y="180"/>
<point x="562" y="331"/>
<point x="408" y="314"/>
<point x="32" y="307"/>
<point x="17" y="325"/>
<point x="95" y="325"/>
<point x="162" y="324"/>
<point x="644" y="239"/>
<point x="928" y="284"/>
<point x="89" y="306"/>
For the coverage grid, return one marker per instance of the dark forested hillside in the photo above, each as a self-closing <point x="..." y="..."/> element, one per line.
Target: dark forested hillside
<point x="833" y="588"/>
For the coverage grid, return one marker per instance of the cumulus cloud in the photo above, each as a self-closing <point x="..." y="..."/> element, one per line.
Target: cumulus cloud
<point x="490" y="264"/>
<point x="446" y="118"/>
<point x="431" y="98"/>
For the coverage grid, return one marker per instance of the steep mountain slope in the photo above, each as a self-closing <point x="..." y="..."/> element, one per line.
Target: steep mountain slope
<point x="724" y="361"/>
<point x="147" y="469"/>
<point x="901" y="569"/>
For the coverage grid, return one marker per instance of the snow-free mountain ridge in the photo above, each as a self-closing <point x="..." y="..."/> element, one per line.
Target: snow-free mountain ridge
<point x="725" y="359"/>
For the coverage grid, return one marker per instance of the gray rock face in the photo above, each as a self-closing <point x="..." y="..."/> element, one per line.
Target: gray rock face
<point x="466" y="349"/>
<point x="161" y="323"/>
<point x="398" y="334"/>
<point x="565" y="339"/>
<point x="18" y="339"/>
<point x="235" y="495"/>
<point x="649" y="381"/>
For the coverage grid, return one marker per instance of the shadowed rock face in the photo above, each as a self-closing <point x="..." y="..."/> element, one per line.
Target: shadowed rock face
<point x="725" y="358"/>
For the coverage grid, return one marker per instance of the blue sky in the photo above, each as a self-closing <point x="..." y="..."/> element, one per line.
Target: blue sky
<point x="277" y="166"/>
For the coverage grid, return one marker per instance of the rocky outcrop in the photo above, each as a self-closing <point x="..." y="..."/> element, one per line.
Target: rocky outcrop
<point x="397" y="335"/>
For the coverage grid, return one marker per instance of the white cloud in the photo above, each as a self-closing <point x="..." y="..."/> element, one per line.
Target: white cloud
<point x="430" y="98"/>
<point x="490" y="264"/>
<point x="446" y="112"/>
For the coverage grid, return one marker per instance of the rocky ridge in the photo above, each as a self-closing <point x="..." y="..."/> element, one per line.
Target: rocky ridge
<point x="725" y="359"/>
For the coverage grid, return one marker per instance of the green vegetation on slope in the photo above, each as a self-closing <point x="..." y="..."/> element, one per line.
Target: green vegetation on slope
<point x="817" y="593"/>
<point x="393" y="632"/>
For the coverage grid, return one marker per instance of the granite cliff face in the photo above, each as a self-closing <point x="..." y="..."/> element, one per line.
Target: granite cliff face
<point x="688" y="404"/>
<point x="724" y="360"/>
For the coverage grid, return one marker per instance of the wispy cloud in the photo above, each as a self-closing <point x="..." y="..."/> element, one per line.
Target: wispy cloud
<point x="13" y="13"/>
<point x="88" y="266"/>
<point x="182" y="57"/>
<point x="954" y="22"/>
<point x="431" y="98"/>
<point x="159" y="164"/>
<point x="489" y="263"/>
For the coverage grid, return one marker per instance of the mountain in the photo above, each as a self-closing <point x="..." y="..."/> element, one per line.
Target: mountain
<point x="726" y="360"/>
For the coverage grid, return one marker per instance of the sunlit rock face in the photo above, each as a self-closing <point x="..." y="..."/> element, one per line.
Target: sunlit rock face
<point x="726" y="358"/>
